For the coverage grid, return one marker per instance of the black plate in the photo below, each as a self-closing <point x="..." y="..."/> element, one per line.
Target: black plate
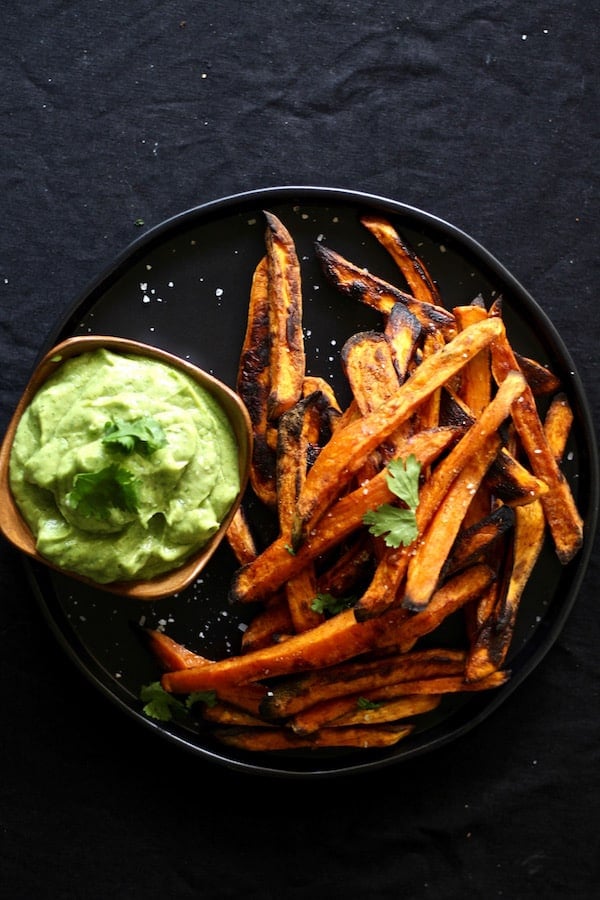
<point x="184" y="286"/>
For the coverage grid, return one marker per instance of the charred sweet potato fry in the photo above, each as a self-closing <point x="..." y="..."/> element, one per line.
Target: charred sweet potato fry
<point x="360" y="284"/>
<point x="539" y="378"/>
<point x="474" y="541"/>
<point x="361" y="709"/>
<point x="299" y="429"/>
<point x="352" y="565"/>
<point x="228" y="714"/>
<point x="420" y="282"/>
<point x="261" y="739"/>
<point x="369" y="367"/>
<point x="492" y="642"/>
<point x="561" y="512"/>
<point x="402" y="329"/>
<point x="254" y="384"/>
<point x="511" y="482"/>
<point x="287" y="356"/>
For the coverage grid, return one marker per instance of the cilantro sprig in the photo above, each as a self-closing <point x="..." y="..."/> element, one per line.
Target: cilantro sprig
<point x="398" y="525"/>
<point x="96" y="493"/>
<point x="162" y="706"/>
<point x="144" y="435"/>
<point x="330" y="605"/>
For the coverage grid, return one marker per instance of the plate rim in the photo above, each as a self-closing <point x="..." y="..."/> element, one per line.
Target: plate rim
<point x="303" y="194"/>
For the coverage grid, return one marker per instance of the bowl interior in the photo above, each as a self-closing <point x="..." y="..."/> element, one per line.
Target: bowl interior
<point x="16" y="530"/>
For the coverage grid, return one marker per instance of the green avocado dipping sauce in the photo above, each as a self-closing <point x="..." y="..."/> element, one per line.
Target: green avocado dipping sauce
<point x="123" y="466"/>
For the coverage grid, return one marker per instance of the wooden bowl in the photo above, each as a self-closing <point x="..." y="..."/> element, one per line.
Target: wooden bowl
<point x="16" y="530"/>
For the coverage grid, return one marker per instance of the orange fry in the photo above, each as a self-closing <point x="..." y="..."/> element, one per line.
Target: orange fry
<point x="287" y="356"/>
<point x="419" y="281"/>
<point x="564" y="521"/>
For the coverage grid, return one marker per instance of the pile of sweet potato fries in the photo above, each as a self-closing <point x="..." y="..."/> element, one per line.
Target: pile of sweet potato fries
<point x="343" y="650"/>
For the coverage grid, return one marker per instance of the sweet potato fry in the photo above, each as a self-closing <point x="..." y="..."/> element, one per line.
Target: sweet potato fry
<point x="427" y="414"/>
<point x="268" y="625"/>
<point x="314" y="383"/>
<point x="368" y="364"/>
<point x="300" y="592"/>
<point x="240" y="539"/>
<point x="352" y="566"/>
<point x="564" y="521"/>
<point x="473" y="542"/>
<point x="287" y="356"/>
<point x="402" y="329"/>
<point x="169" y="653"/>
<point x="557" y="425"/>
<point x="349" y="447"/>
<point x="420" y="282"/>
<point x="360" y="284"/>
<point x="453" y="409"/>
<point x="261" y="739"/>
<point x="334" y="640"/>
<point x="299" y="429"/>
<point x="253" y="384"/>
<point x="358" y="709"/>
<point x="539" y="378"/>
<point x="332" y="413"/>
<point x="475" y="387"/>
<point x="511" y="482"/>
<point x="227" y="714"/>
<point x="369" y="367"/>
<point x="492" y="643"/>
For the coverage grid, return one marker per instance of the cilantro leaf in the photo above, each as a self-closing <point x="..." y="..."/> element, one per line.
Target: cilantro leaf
<point x="144" y="435"/>
<point x="403" y="479"/>
<point x="159" y="704"/>
<point x="364" y="703"/>
<point x="209" y="698"/>
<point x="327" y="603"/>
<point x="398" y="525"/>
<point x="163" y="706"/>
<point x="96" y="493"/>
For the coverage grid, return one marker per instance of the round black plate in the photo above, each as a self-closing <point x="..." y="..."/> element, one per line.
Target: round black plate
<point x="184" y="287"/>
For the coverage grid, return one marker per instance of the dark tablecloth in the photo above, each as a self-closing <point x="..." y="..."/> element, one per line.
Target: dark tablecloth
<point x="485" y="114"/>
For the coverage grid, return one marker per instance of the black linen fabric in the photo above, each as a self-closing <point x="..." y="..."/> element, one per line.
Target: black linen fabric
<point x="116" y="116"/>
